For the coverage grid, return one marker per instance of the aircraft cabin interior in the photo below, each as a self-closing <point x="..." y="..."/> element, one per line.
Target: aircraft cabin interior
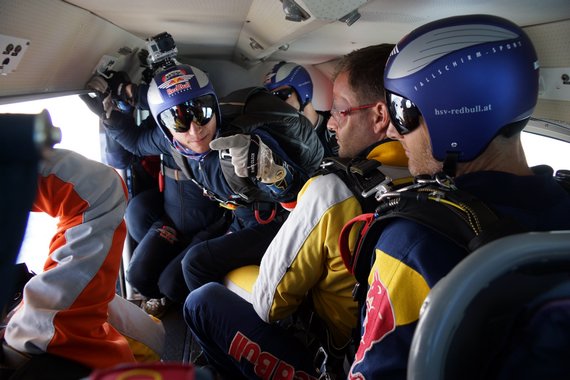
<point x="51" y="49"/>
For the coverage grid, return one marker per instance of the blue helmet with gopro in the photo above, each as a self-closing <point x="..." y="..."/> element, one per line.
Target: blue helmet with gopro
<point x="179" y="95"/>
<point x="292" y="75"/>
<point x="470" y="78"/>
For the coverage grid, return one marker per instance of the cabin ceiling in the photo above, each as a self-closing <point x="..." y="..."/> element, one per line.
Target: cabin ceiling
<point x="224" y="29"/>
<point x="67" y="41"/>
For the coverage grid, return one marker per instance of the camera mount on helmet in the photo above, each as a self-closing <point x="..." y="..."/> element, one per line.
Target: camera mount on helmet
<point x="161" y="51"/>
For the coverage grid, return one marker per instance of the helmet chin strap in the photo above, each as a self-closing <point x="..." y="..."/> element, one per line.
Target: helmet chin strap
<point x="302" y="102"/>
<point x="450" y="164"/>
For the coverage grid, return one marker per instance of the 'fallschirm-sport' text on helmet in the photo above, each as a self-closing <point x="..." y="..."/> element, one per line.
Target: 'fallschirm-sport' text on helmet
<point x="469" y="77"/>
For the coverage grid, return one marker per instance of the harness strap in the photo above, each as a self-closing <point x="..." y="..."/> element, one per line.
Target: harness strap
<point x="458" y="216"/>
<point x="362" y="176"/>
<point x="463" y="219"/>
<point x="343" y="240"/>
<point x="187" y="171"/>
<point x="176" y="174"/>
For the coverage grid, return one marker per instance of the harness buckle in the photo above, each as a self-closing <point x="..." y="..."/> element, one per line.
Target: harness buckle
<point x="320" y="362"/>
<point x="323" y="367"/>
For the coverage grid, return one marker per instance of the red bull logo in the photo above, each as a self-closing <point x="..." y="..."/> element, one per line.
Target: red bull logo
<point x="176" y="83"/>
<point x="176" y="80"/>
<point x="379" y="321"/>
<point x="173" y="74"/>
<point x="265" y="365"/>
<point x="177" y="88"/>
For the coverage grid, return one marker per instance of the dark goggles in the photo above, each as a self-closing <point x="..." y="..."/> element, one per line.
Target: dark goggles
<point x="283" y="93"/>
<point x="404" y="114"/>
<point x="198" y="111"/>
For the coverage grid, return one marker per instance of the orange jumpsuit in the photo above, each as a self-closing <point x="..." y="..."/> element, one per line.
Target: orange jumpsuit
<point x="65" y="308"/>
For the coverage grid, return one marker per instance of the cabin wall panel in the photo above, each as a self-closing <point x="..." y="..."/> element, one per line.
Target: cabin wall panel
<point x="553" y="50"/>
<point x="62" y="51"/>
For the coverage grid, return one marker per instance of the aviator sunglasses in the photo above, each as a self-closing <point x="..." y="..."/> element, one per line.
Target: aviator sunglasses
<point x="283" y="93"/>
<point x="199" y="111"/>
<point x="404" y="114"/>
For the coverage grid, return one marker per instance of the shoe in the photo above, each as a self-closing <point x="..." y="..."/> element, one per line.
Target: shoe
<point x="157" y="307"/>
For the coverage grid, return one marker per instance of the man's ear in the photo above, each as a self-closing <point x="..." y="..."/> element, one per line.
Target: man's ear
<point x="381" y="117"/>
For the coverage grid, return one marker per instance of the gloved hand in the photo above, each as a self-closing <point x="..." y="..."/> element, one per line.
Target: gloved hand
<point x="250" y="157"/>
<point x="99" y="84"/>
<point x="101" y="103"/>
<point x="118" y="82"/>
<point x="111" y="94"/>
<point x="102" y="107"/>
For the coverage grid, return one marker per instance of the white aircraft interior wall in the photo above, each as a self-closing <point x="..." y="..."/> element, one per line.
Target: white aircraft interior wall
<point x="66" y="44"/>
<point x="553" y="50"/>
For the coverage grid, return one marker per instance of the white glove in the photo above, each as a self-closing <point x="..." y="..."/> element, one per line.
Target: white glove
<point x="250" y="157"/>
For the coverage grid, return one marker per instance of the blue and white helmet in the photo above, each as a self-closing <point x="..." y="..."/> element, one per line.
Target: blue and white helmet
<point x="293" y="75"/>
<point x="178" y="85"/>
<point x="468" y="76"/>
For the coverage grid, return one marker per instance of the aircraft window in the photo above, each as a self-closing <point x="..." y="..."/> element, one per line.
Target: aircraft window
<point x="546" y="150"/>
<point x="80" y="133"/>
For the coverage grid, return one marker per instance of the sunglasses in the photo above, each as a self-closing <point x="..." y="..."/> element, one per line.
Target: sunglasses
<point x="341" y="115"/>
<point x="198" y="111"/>
<point x="405" y="115"/>
<point x="283" y="94"/>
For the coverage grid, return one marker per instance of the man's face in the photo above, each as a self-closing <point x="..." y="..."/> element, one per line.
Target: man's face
<point x="197" y="138"/>
<point x="354" y="129"/>
<point x="192" y="123"/>
<point x="417" y="145"/>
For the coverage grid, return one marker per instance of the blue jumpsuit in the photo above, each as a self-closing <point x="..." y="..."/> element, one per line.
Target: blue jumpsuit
<point x="410" y="259"/>
<point x="210" y="253"/>
<point x="155" y="269"/>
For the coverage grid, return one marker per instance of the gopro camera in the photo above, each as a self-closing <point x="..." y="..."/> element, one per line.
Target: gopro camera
<point x="161" y="50"/>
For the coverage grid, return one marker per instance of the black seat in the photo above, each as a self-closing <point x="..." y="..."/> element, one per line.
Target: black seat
<point x="471" y="318"/>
